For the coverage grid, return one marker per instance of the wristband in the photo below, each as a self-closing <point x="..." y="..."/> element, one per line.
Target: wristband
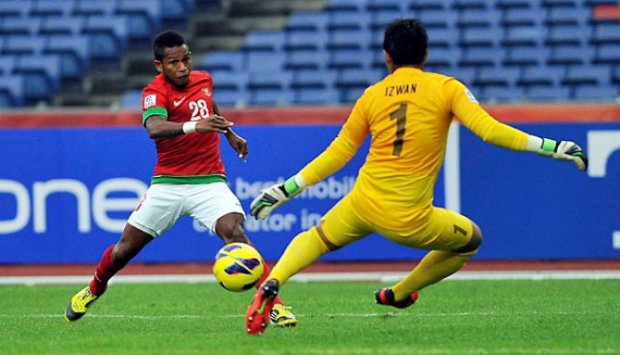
<point x="189" y="127"/>
<point x="548" y="146"/>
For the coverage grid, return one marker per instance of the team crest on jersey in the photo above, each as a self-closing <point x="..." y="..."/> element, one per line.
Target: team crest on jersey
<point x="206" y="91"/>
<point x="150" y="101"/>
<point x="470" y="96"/>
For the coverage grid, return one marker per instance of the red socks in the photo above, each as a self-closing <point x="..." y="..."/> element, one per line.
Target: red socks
<point x="105" y="270"/>
<point x="263" y="277"/>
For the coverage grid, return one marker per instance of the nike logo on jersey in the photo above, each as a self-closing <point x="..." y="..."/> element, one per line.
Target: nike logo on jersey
<point x="177" y="103"/>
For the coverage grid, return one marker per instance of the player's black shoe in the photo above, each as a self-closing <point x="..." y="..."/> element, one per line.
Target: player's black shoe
<point x="385" y="296"/>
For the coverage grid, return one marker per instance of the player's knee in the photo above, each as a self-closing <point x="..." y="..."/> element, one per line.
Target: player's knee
<point x="475" y="241"/>
<point x="230" y="229"/>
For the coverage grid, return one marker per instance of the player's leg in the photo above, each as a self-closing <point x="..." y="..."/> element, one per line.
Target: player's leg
<point x="339" y="227"/>
<point x="453" y="238"/>
<point x="146" y="222"/>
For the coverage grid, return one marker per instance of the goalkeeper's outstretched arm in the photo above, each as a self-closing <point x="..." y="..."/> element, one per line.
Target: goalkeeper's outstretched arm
<point x="560" y="150"/>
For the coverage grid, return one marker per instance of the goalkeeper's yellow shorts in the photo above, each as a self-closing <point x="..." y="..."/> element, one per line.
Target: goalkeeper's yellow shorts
<point x="441" y="230"/>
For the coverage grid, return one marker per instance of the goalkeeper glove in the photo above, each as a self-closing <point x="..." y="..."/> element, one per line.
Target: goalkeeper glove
<point x="273" y="197"/>
<point x="564" y="150"/>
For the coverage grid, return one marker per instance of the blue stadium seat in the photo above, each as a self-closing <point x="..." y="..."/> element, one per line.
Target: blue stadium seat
<point x="73" y="51"/>
<point x="264" y="62"/>
<point x="20" y="25"/>
<point x="482" y="57"/>
<point x="561" y="3"/>
<point x="94" y="7"/>
<point x="14" y="8"/>
<point x="596" y="93"/>
<point x="511" y="4"/>
<point x="71" y="25"/>
<point x="176" y="10"/>
<point x="472" y="4"/>
<point x="52" y="8"/>
<point x="523" y="35"/>
<point x="7" y="65"/>
<point x="481" y="37"/>
<point x="520" y="16"/>
<point x="306" y="59"/>
<point x="397" y="6"/>
<point x="11" y="91"/>
<point x="526" y="56"/>
<point x="548" y="94"/>
<point x="606" y="32"/>
<point x="586" y="74"/>
<point x="269" y="80"/>
<point x="571" y="54"/>
<point x="541" y="76"/>
<point x="132" y="100"/>
<point x="316" y="96"/>
<point x="350" y="94"/>
<point x="382" y="18"/>
<point x="41" y="75"/>
<point x="506" y="77"/>
<point x="316" y="79"/>
<point x="345" y="21"/>
<point x="220" y="60"/>
<point x="437" y="17"/>
<point x="348" y="78"/>
<point x="462" y="74"/>
<point x="608" y="54"/>
<point x="108" y="36"/>
<point x="229" y="81"/>
<point x="350" y="6"/>
<point x="571" y="16"/>
<point x="350" y="58"/>
<point x="442" y="37"/>
<point x="566" y="34"/>
<point x="264" y="41"/>
<point x="307" y="22"/>
<point x="23" y="44"/>
<point x="475" y="17"/>
<point x="443" y="58"/>
<point x="232" y="98"/>
<point x="348" y="39"/>
<point x="419" y="5"/>
<point x="144" y="17"/>
<point x="502" y="94"/>
<point x="306" y="40"/>
<point x="271" y="97"/>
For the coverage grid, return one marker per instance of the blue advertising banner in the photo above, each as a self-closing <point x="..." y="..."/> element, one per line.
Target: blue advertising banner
<point x="65" y="194"/>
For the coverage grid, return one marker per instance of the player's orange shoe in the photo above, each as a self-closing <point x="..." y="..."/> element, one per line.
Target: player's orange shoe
<point x="385" y="296"/>
<point x="258" y="315"/>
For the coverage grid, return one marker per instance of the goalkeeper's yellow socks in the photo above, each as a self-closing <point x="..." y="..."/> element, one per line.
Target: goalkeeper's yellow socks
<point x="302" y="252"/>
<point x="434" y="267"/>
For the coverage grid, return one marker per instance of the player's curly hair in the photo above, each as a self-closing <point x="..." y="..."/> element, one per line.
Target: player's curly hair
<point x="406" y="41"/>
<point x="165" y="40"/>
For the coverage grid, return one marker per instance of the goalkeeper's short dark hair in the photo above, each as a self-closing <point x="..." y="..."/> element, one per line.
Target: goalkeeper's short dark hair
<point x="406" y="41"/>
<point x="166" y="39"/>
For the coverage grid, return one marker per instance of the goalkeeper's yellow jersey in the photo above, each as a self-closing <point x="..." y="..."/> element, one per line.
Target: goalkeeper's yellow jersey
<point x="408" y="114"/>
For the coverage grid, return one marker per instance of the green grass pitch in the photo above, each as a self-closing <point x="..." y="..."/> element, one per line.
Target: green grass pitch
<point x="452" y="317"/>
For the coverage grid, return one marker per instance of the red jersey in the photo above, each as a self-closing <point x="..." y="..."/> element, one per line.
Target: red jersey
<point x="191" y="156"/>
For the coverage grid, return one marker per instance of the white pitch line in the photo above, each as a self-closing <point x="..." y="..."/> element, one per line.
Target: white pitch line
<point x="326" y="276"/>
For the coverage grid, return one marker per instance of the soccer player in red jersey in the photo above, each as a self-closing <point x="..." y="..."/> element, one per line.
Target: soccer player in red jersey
<point x="189" y="178"/>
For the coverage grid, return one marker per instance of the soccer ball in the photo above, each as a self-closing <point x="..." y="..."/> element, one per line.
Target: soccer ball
<point x="238" y="267"/>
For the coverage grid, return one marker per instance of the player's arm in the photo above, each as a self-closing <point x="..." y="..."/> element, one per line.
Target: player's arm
<point x="332" y="159"/>
<point x="160" y="128"/>
<point x="476" y="119"/>
<point x="238" y="143"/>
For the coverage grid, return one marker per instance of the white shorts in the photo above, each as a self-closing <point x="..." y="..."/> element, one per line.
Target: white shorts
<point x="163" y="204"/>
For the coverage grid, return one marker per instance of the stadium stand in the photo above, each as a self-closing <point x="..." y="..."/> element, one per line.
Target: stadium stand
<point x="306" y="52"/>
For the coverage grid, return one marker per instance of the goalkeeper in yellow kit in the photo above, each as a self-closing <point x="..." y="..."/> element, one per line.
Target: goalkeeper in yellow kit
<point x="408" y="114"/>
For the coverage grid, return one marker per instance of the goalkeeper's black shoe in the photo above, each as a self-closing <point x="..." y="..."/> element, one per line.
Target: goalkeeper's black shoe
<point x="385" y="296"/>
<point x="258" y="315"/>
